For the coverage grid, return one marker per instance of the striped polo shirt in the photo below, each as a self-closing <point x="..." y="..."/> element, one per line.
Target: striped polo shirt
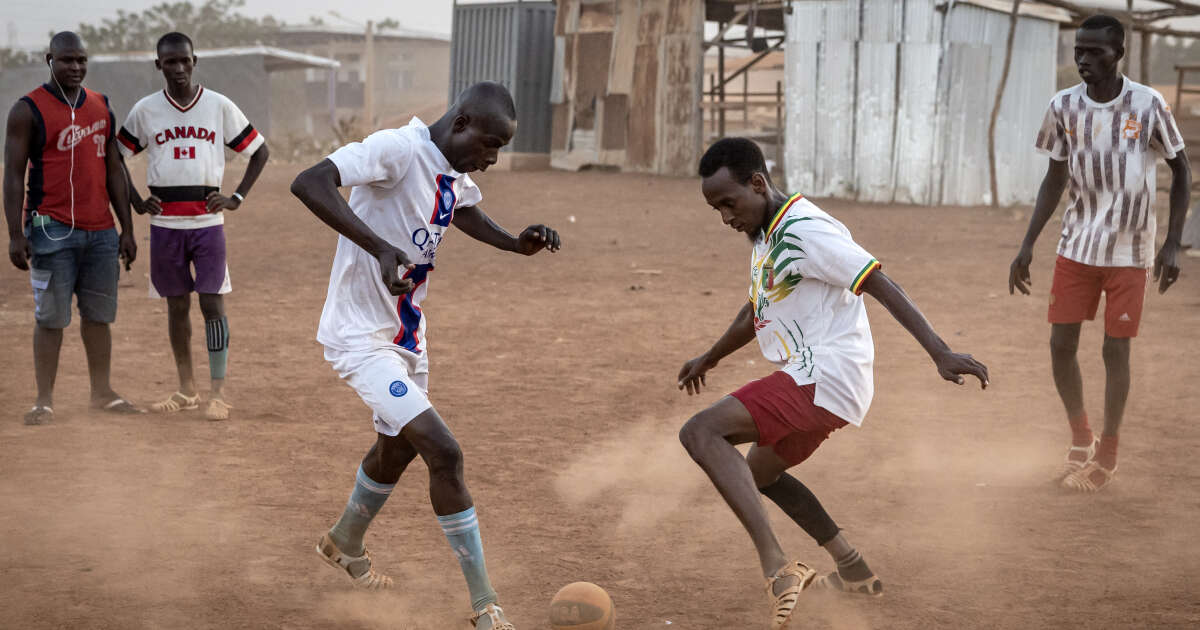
<point x="1111" y="150"/>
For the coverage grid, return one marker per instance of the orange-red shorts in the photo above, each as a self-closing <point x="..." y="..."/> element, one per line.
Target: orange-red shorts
<point x="787" y="419"/>
<point x="1075" y="295"/>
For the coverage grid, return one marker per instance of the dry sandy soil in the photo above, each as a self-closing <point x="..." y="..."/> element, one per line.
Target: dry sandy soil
<point x="557" y="373"/>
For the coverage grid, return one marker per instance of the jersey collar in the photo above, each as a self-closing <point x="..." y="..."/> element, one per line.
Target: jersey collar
<point x="184" y="108"/>
<point x="782" y="211"/>
<point x="59" y="96"/>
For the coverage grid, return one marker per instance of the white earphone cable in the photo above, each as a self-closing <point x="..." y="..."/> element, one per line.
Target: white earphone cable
<point x="71" y="169"/>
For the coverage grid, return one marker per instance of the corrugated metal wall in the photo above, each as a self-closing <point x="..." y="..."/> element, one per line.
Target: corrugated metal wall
<point x="512" y="44"/>
<point x="876" y="112"/>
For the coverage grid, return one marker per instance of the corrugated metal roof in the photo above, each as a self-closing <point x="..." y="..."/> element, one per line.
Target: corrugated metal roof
<point x="283" y="59"/>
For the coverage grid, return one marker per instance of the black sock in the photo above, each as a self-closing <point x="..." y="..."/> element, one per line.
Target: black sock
<point x="798" y="502"/>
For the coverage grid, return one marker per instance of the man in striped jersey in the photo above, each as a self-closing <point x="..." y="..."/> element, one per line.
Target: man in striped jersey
<point x="184" y="130"/>
<point x="1103" y="137"/>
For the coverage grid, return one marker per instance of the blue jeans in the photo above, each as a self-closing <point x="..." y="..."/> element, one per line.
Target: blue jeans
<point x="78" y="262"/>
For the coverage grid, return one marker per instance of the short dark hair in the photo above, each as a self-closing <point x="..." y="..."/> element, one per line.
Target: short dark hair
<point x="174" y="37"/>
<point x="1101" y="21"/>
<point x="741" y="156"/>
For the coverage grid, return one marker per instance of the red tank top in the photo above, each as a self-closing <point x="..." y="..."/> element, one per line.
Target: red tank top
<point x="69" y="156"/>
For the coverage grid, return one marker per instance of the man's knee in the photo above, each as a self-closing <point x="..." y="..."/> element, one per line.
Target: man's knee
<point x="695" y="433"/>
<point x="1064" y="342"/>
<point x="179" y="306"/>
<point x="445" y="460"/>
<point x="212" y="305"/>
<point x="1115" y="350"/>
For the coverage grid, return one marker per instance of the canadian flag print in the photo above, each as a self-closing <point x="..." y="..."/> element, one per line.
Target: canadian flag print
<point x="185" y="153"/>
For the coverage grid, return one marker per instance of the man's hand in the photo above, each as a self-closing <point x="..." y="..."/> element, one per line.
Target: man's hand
<point x="151" y="205"/>
<point x="217" y="202"/>
<point x="19" y="252"/>
<point x="127" y="249"/>
<point x="691" y="375"/>
<point x="952" y="365"/>
<point x="535" y="238"/>
<point x="390" y="261"/>
<point x="1166" y="265"/>
<point x="1018" y="273"/>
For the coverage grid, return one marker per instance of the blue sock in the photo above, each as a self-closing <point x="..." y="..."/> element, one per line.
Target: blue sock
<point x="462" y="531"/>
<point x="216" y="336"/>
<point x="364" y="504"/>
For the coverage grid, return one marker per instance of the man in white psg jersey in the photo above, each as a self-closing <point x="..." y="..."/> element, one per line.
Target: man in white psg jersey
<point x="1104" y="137"/>
<point x="184" y="130"/>
<point x="409" y="185"/>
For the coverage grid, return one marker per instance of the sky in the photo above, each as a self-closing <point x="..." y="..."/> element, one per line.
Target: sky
<point x="25" y="23"/>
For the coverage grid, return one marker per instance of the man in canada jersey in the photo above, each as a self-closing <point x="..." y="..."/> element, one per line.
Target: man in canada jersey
<point x="60" y="227"/>
<point x="184" y="130"/>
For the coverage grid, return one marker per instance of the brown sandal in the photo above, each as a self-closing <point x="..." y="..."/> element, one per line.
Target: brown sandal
<point x="784" y="603"/>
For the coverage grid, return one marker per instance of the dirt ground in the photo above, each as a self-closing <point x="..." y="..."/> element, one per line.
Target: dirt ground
<point x="557" y="374"/>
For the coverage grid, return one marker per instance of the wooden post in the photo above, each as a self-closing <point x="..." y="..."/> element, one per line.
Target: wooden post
<point x="779" y="125"/>
<point x="721" y="86"/>
<point x="1126" y="64"/>
<point x="1012" y="30"/>
<point x="1144" y="72"/>
<point x="746" y="100"/>
<point x="369" y="78"/>
<point x="1179" y="91"/>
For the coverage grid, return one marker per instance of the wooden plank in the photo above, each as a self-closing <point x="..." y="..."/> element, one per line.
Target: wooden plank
<point x="591" y="76"/>
<point x="679" y="120"/>
<point x="625" y="40"/>
<point x="640" y="148"/>
<point x="596" y="17"/>
<point x="615" y="123"/>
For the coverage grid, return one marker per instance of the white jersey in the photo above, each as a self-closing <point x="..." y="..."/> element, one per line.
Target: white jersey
<point x="1111" y="150"/>
<point x="405" y="190"/>
<point x="185" y="148"/>
<point x="806" y="277"/>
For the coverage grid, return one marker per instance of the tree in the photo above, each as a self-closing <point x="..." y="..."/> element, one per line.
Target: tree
<point x="214" y="24"/>
<point x="14" y="58"/>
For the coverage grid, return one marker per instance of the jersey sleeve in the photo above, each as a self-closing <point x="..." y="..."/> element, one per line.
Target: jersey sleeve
<point x="469" y="195"/>
<point x="1052" y="137"/>
<point x="131" y="137"/>
<point x="242" y="136"/>
<point x="1165" y="139"/>
<point x="381" y="159"/>
<point x="813" y="248"/>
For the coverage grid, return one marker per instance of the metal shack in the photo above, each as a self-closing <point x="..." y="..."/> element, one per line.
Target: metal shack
<point x="890" y="100"/>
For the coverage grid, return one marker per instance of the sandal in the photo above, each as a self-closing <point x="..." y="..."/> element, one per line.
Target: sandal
<point x="834" y="581"/>
<point x="176" y="402"/>
<point x="118" y="405"/>
<point x="369" y="579"/>
<point x="39" y="415"/>
<point x="784" y="603"/>
<point x="217" y="409"/>
<point x="1075" y="464"/>
<point x="495" y="615"/>
<point x="1091" y="478"/>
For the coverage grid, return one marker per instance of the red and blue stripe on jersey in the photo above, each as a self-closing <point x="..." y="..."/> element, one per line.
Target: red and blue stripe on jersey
<point x="410" y="314"/>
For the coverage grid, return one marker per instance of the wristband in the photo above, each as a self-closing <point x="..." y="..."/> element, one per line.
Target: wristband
<point x="238" y="196"/>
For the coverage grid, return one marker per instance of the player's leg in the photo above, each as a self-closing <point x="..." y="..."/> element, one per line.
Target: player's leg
<point x="206" y="248"/>
<point x="433" y="441"/>
<point x="709" y="438"/>
<point x="216" y="338"/>
<point x="52" y="274"/>
<point x="1074" y="297"/>
<point x="1126" y="290"/>
<point x="801" y="505"/>
<point x="96" y="288"/>
<point x="171" y="275"/>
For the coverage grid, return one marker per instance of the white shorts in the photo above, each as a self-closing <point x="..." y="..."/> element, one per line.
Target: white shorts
<point x="387" y="381"/>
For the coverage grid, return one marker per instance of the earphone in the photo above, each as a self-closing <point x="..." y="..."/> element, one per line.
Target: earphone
<point x="71" y="170"/>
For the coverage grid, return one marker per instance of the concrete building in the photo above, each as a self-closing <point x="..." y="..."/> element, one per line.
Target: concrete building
<point x="410" y="75"/>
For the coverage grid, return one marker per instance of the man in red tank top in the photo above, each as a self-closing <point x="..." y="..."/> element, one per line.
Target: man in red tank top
<point x="59" y="225"/>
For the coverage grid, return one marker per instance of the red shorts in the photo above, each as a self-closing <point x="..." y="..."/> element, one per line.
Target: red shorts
<point x="1075" y="295"/>
<point x="787" y="419"/>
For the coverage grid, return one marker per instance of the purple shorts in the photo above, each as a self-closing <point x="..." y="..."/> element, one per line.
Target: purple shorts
<point x="173" y="253"/>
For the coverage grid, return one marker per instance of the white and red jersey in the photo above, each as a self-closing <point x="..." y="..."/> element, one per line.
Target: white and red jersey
<point x="1111" y="150"/>
<point x="185" y="145"/>
<point x="405" y="190"/>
